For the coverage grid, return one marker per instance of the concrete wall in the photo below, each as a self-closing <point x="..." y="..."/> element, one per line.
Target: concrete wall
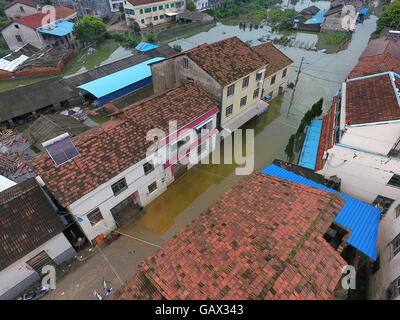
<point x="146" y="19"/>
<point x="364" y="175"/>
<point x="27" y="34"/>
<point x="279" y="81"/>
<point x="341" y="21"/>
<point x="201" y="4"/>
<point x="374" y="138"/>
<point x="98" y="8"/>
<point x="15" y="12"/>
<point x="389" y="266"/>
<point x="17" y="277"/>
<point x="170" y="73"/>
<point x="115" y="5"/>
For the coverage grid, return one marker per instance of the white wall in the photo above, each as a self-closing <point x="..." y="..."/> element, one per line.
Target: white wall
<point x="14" y="12"/>
<point x="201" y="4"/>
<point x="27" y="34"/>
<point x="18" y="271"/>
<point x="389" y="267"/>
<point x="363" y="175"/>
<point x="375" y="138"/>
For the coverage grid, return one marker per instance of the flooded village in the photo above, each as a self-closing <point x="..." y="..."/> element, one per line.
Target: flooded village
<point x="75" y="113"/>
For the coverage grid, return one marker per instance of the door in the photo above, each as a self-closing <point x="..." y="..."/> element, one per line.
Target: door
<point x="39" y="261"/>
<point x="179" y="169"/>
<point x="125" y="210"/>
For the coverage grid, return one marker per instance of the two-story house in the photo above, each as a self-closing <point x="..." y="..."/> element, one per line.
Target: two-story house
<point x="112" y="167"/>
<point x="20" y="8"/>
<point x="231" y="71"/>
<point x="41" y="30"/>
<point x="149" y="13"/>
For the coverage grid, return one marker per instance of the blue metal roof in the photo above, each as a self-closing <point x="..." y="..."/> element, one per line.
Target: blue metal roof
<point x="318" y="18"/>
<point x="360" y="217"/>
<point x="308" y="156"/>
<point x="59" y="28"/>
<point x="364" y="11"/>
<point x="119" y="80"/>
<point x="144" y="46"/>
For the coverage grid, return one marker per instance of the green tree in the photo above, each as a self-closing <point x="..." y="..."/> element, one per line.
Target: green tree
<point x="289" y="147"/>
<point x="151" y="37"/>
<point x="177" y="48"/>
<point x="390" y="16"/>
<point x="89" y="28"/>
<point x="190" y="5"/>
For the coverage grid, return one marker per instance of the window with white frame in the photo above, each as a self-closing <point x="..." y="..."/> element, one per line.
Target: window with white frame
<point x="152" y="187"/>
<point x="243" y="101"/>
<point x="245" y="83"/>
<point x="95" y="216"/>
<point x="396" y="245"/>
<point x="393" y="290"/>
<point x="148" y="167"/>
<point x="119" y="186"/>
<point x="229" y="110"/>
<point x="231" y="90"/>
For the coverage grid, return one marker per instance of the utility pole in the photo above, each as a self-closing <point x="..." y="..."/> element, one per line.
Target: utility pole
<point x="295" y="84"/>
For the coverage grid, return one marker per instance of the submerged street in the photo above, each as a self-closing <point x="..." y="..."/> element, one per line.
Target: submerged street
<point x="321" y="76"/>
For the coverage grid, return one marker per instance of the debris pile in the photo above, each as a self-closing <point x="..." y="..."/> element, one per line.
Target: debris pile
<point x="14" y="155"/>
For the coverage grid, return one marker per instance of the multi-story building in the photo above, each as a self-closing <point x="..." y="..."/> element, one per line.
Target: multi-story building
<point x="40" y="31"/>
<point x="149" y="13"/>
<point x="20" y="8"/>
<point x="113" y="167"/>
<point x="115" y="5"/>
<point x="231" y="72"/>
<point x="97" y="8"/>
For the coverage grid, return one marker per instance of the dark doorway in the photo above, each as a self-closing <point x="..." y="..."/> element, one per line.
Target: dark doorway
<point x="334" y="235"/>
<point x="179" y="169"/>
<point x="126" y="210"/>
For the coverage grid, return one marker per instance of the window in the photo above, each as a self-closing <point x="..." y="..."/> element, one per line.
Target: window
<point x="22" y="9"/>
<point x="166" y="6"/>
<point x="258" y="76"/>
<point x="142" y="20"/>
<point x="284" y="73"/>
<point x="141" y="11"/>
<point x="273" y="79"/>
<point x="155" y="17"/>
<point x="256" y="92"/>
<point x="334" y="235"/>
<point x="245" y="83"/>
<point x="231" y="90"/>
<point x="130" y="11"/>
<point x="154" y="8"/>
<point x="153" y="187"/>
<point x="229" y="110"/>
<point x="19" y="39"/>
<point x="160" y="7"/>
<point x="119" y="186"/>
<point x="95" y="216"/>
<point x="185" y="63"/>
<point x="148" y="167"/>
<point x="396" y="245"/>
<point x="243" y="101"/>
<point x="16" y="26"/>
<point x="383" y="203"/>
<point x="172" y="5"/>
<point x="162" y="16"/>
<point x="147" y="10"/>
<point x="394" y="180"/>
<point x="394" y="289"/>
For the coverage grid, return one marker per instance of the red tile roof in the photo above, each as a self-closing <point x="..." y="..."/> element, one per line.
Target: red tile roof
<point x="263" y="239"/>
<point x="371" y="99"/>
<point x="118" y="144"/>
<point x="29" y="3"/>
<point x="276" y="59"/>
<point x="325" y="141"/>
<point x="375" y="64"/>
<point x="27" y="220"/>
<point x="379" y="46"/>
<point x="228" y="60"/>
<point x="38" y="19"/>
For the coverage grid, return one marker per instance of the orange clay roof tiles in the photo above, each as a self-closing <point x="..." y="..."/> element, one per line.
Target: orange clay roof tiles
<point x="263" y="239"/>
<point x="228" y="60"/>
<point x="109" y="149"/>
<point x="276" y="59"/>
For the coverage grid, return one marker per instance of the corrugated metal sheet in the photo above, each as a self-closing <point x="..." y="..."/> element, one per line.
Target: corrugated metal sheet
<point x="144" y="46"/>
<point x="59" y="28"/>
<point x="119" y="80"/>
<point x="309" y="152"/>
<point x="318" y="18"/>
<point x="362" y="218"/>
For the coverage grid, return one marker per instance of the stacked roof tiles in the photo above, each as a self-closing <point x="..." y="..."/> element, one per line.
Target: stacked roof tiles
<point x="263" y="239"/>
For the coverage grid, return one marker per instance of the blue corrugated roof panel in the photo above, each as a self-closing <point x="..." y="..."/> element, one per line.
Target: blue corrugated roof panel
<point x="360" y="217"/>
<point x="318" y="18"/>
<point x="364" y="11"/>
<point x="144" y="46"/>
<point x="119" y="80"/>
<point x="59" y="28"/>
<point x="309" y="152"/>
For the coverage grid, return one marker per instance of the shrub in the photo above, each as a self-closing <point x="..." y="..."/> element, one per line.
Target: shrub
<point x="151" y="37"/>
<point x="177" y="48"/>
